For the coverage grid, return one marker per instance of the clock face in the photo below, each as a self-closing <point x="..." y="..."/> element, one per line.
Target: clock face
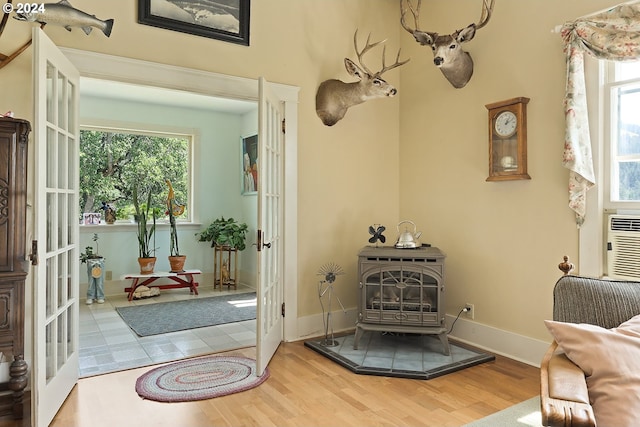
<point x="506" y="123"/>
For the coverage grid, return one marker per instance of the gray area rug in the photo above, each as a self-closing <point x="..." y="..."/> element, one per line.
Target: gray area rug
<point x="399" y="355"/>
<point x="161" y="318"/>
<point x="524" y="414"/>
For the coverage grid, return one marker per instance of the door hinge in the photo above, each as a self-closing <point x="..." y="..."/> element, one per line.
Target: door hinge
<point x="284" y="125"/>
<point x="283" y="309"/>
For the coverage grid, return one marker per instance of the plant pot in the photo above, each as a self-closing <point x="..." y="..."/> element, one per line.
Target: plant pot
<point x="147" y="265"/>
<point x="177" y="263"/>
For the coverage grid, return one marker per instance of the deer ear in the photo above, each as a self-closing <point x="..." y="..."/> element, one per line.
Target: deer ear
<point x="423" y="38"/>
<point x="353" y="69"/>
<point x="466" y="34"/>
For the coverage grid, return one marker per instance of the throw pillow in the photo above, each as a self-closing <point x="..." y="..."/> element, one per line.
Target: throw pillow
<point x="610" y="359"/>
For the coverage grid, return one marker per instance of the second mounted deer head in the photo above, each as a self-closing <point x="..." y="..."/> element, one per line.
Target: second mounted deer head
<point x="448" y="55"/>
<point x="334" y="97"/>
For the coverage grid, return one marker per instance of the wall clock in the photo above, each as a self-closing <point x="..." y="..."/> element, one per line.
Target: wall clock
<point x="508" y="140"/>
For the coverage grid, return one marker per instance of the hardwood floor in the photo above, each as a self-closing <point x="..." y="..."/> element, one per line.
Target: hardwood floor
<point x="307" y="389"/>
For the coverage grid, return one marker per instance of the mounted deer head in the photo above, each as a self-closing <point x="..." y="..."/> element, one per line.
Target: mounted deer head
<point x="334" y="97"/>
<point x="455" y="63"/>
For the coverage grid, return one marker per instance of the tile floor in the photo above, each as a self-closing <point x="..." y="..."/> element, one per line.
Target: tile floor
<point x="107" y="344"/>
<point x="398" y="355"/>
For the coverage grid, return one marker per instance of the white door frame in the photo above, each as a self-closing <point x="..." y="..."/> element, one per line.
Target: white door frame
<point x="109" y="67"/>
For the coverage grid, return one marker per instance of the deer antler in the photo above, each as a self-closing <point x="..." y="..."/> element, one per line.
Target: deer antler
<point x="364" y="50"/>
<point x="391" y="67"/>
<point x="368" y="47"/>
<point x="416" y="15"/>
<point x="486" y="14"/>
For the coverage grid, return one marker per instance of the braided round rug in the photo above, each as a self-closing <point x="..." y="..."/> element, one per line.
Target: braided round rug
<point x="199" y="379"/>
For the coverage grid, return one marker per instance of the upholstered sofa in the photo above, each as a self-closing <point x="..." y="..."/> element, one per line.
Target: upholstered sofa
<point x="564" y="398"/>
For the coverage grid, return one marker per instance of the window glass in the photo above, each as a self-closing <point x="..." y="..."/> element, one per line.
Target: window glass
<point x="113" y="162"/>
<point x="627" y="70"/>
<point x="624" y="135"/>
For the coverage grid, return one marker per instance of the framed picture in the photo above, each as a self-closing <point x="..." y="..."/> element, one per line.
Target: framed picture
<point x="250" y="165"/>
<point x="226" y="20"/>
<point x="91" y="218"/>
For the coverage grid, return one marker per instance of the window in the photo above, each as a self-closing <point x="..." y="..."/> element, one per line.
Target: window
<point x="622" y="156"/>
<point x="114" y="161"/>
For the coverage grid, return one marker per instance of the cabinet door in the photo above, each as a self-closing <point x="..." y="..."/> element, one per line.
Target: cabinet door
<point x="7" y="312"/>
<point x="13" y="145"/>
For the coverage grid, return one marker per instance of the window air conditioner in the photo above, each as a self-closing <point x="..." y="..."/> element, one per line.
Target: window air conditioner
<point x="623" y="247"/>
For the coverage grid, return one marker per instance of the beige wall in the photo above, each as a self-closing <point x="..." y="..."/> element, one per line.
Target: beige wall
<point x="348" y="175"/>
<point x="421" y="155"/>
<point x="504" y="240"/>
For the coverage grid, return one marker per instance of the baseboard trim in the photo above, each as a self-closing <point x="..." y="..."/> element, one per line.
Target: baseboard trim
<point x="497" y="341"/>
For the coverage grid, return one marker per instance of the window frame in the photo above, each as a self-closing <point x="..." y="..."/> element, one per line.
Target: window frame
<point x="610" y="85"/>
<point x="190" y="134"/>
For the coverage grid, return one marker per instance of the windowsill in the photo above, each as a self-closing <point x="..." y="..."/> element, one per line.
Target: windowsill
<point x="132" y="226"/>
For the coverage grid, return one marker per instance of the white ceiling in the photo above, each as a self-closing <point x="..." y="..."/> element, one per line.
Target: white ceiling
<point x="155" y="95"/>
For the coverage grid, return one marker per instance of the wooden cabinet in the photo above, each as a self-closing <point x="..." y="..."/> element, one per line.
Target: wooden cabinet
<point x="14" y="134"/>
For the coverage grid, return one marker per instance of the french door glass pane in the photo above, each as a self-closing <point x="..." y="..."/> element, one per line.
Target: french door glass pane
<point x="50" y="303"/>
<point x="61" y="340"/>
<point x="62" y="154"/>
<point x="51" y="157"/>
<point x="51" y="72"/>
<point x="70" y="322"/>
<point x="62" y="102"/>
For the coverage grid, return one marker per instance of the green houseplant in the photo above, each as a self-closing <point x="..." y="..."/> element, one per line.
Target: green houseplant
<point x="88" y="251"/>
<point x="225" y="232"/>
<point x="176" y="259"/>
<point x="145" y="232"/>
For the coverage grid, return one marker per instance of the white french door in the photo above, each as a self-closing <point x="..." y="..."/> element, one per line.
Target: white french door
<point x="270" y="226"/>
<point x="56" y="93"/>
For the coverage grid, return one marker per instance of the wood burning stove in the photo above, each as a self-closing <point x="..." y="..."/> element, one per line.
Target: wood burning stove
<point x="401" y="290"/>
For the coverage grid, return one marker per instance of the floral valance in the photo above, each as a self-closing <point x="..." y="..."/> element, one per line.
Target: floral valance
<point x="612" y="35"/>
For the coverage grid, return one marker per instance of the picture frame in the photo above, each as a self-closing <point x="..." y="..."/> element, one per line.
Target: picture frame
<point x="91" y="218"/>
<point x="249" y="165"/>
<point x="226" y="20"/>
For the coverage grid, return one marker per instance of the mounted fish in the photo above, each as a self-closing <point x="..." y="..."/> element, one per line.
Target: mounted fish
<point x="65" y="15"/>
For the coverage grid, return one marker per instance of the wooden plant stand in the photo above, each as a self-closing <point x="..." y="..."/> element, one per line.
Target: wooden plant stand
<point x="222" y="255"/>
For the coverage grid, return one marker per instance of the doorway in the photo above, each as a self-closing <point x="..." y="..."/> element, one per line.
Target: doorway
<point x="139" y="72"/>
<point x="106" y="343"/>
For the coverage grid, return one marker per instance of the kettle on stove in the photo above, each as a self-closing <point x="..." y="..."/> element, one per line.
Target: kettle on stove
<point x="408" y="239"/>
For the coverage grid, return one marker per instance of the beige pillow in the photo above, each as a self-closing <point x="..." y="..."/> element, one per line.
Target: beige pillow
<point x="610" y="359"/>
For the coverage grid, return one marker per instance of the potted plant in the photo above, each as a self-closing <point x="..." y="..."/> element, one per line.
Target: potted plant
<point x="145" y="233"/>
<point x="176" y="260"/>
<point x="95" y="272"/>
<point x="225" y="232"/>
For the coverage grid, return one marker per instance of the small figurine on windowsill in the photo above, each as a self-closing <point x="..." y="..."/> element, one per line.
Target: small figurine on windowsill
<point x="109" y="213"/>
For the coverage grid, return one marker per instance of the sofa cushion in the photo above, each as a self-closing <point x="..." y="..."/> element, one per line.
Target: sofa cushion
<point x="610" y="359"/>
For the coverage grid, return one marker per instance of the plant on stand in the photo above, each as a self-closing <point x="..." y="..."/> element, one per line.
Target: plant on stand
<point x="225" y="235"/>
<point x="176" y="260"/>
<point x="225" y="232"/>
<point x="145" y="233"/>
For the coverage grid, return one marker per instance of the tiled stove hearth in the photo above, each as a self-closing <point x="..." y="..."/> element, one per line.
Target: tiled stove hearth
<point x="401" y="290"/>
